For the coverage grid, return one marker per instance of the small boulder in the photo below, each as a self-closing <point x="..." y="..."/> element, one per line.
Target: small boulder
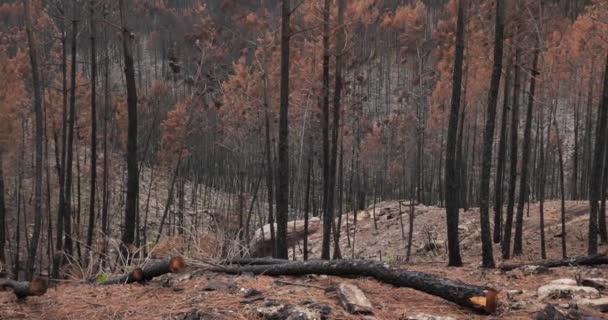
<point x="560" y="291"/>
<point x="353" y="299"/>
<point x="564" y="281"/>
<point x="600" y="304"/>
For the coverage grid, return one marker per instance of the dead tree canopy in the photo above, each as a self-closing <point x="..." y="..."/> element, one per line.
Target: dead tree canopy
<point x="173" y="265"/>
<point x="593" y="260"/>
<point x="24" y="289"/>
<point x="478" y="298"/>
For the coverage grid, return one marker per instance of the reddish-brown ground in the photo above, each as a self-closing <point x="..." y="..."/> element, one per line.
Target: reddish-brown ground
<point x="163" y="298"/>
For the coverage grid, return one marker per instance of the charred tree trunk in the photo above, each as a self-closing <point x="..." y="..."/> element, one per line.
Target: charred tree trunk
<point x="93" y="129"/>
<point x="500" y="166"/>
<point x="128" y="236"/>
<point x="591" y="260"/>
<point x="478" y="298"/>
<point x="598" y="161"/>
<point x="484" y="188"/>
<point x="24" y="289"/>
<point x="38" y="143"/>
<point x="283" y="167"/>
<point x="523" y="182"/>
<point x="174" y="265"/>
<point x="506" y="241"/>
<point x="451" y="170"/>
<point x="327" y="216"/>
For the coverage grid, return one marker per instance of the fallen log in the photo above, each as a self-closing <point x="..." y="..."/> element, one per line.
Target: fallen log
<point x="23" y="289"/>
<point x="574" y="261"/>
<point x="158" y="268"/>
<point x="257" y="261"/>
<point x="478" y="298"/>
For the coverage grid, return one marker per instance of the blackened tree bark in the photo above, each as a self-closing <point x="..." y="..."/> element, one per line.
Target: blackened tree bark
<point x="269" y="166"/>
<point x="128" y="235"/>
<point x="598" y="161"/>
<point x="451" y="170"/>
<point x="2" y="212"/>
<point x="336" y="128"/>
<point x="327" y="216"/>
<point x="283" y="165"/>
<point x="506" y="240"/>
<point x="484" y="188"/>
<point x="501" y="164"/>
<point x="307" y="205"/>
<point x="93" y="127"/>
<point x="523" y="182"/>
<point x="38" y="142"/>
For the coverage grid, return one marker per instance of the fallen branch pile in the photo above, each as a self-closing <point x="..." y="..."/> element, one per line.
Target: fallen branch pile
<point x="173" y="265"/>
<point x="23" y="289"/>
<point x="478" y="298"/>
<point x="570" y="262"/>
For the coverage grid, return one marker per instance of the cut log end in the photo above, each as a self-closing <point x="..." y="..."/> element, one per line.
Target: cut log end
<point x="138" y="275"/>
<point x="487" y="302"/>
<point x="177" y="264"/>
<point x="37" y="287"/>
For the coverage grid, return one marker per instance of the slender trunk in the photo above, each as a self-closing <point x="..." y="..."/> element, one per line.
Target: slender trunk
<point x="506" y="241"/>
<point x="307" y="206"/>
<point x="484" y="188"/>
<point x="327" y="216"/>
<point x="523" y="182"/>
<point x="3" y="211"/>
<point x="283" y="167"/>
<point x="500" y="166"/>
<point x="451" y="170"/>
<point x="598" y="161"/>
<point x="93" y="129"/>
<point x="562" y="191"/>
<point x="128" y="235"/>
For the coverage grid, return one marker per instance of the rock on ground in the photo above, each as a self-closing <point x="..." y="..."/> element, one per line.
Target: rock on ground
<point x="561" y="291"/>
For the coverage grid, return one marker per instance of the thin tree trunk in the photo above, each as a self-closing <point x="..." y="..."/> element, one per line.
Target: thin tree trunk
<point x="283" y="167"/>
<point x="451" y="170"/>
<point x="598" y="161"/>
<point x="93" y="129"/>
<point x="500" y="166"/>
<point x="128" y="235"/>
<point x="523" y="182"/>
<point x="484" y="199"/>
<point x="327" y="216"/>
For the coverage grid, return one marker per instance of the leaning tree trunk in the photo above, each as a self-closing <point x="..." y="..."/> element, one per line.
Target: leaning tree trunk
<point x="38" y="142"/>
<point x="451" y="170"/>
<point x="478" y="298"/>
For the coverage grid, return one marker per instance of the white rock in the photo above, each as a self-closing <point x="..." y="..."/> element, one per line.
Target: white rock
<point x="564" y="281"/>
<point x="560" y="291"/>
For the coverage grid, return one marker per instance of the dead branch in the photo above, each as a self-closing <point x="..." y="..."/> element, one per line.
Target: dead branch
<point x="574" y="261"/>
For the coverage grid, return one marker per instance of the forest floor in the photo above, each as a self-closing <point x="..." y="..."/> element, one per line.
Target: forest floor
<point x="174" y="296"/>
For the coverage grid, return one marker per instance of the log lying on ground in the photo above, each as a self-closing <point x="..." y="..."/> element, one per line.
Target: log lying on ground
<point x="575" y="261"/>
<point x="256" y="261"/>
<point x="23" y="289"/>
<point x="478" y="298"/>
<point x="158" y="268"/>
